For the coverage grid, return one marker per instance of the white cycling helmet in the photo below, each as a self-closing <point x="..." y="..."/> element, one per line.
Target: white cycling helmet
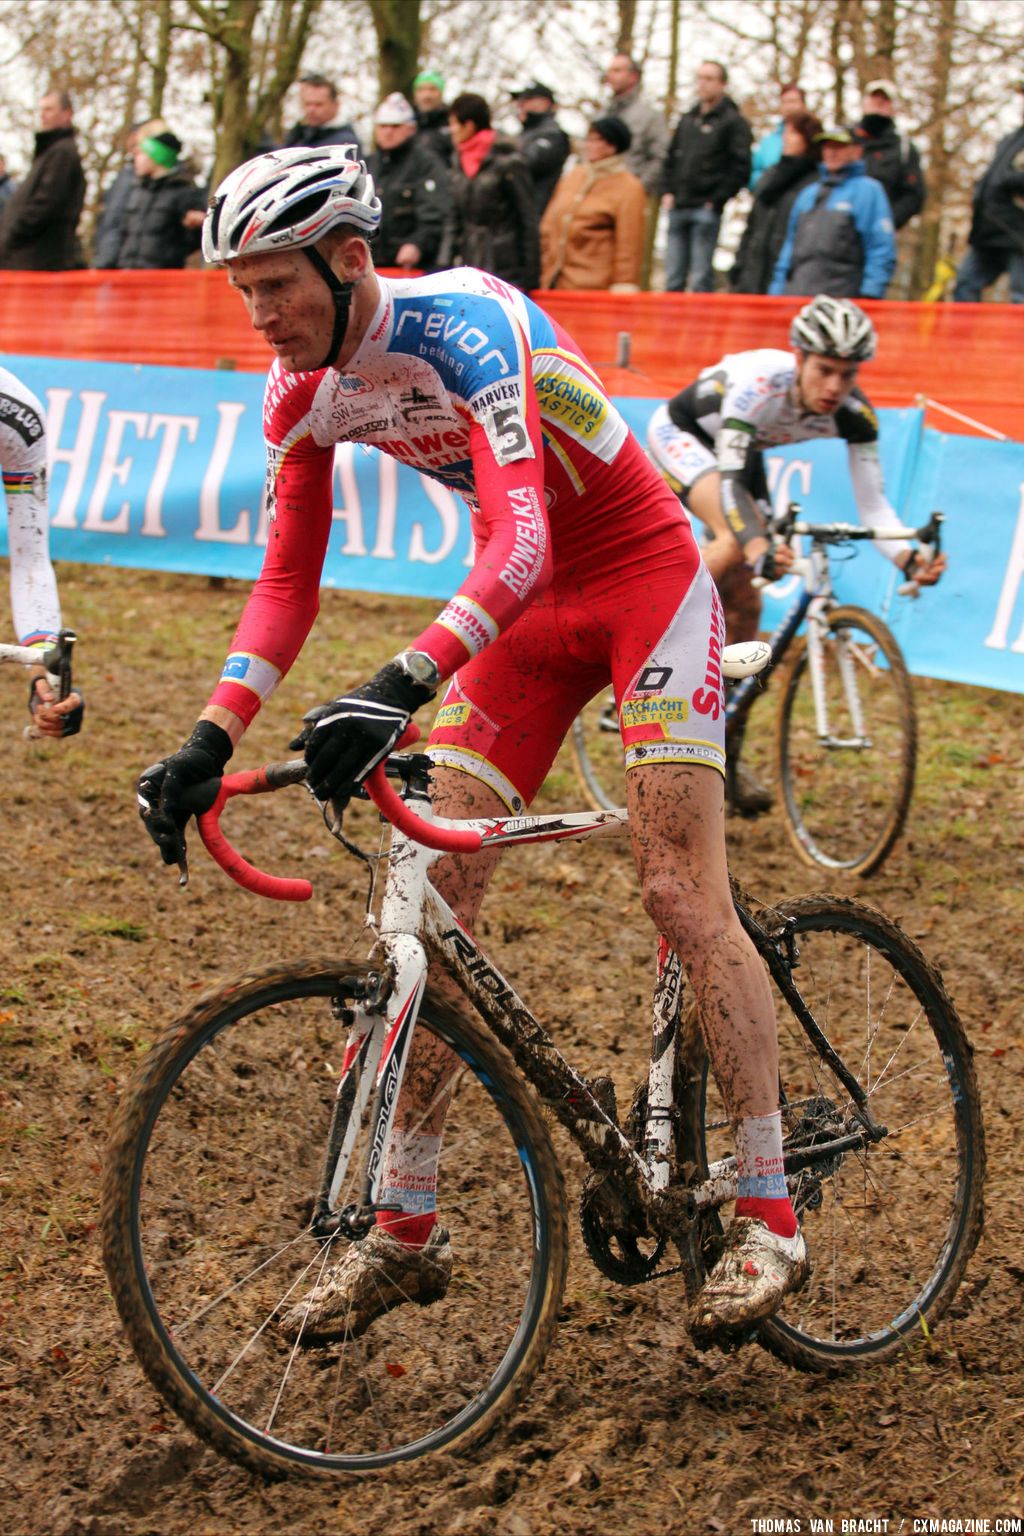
<point x="834" y="328"/>
<point x="288" y="199"/>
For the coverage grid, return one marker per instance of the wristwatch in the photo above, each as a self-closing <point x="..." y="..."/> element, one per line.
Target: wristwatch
<point x="420" y="667"/>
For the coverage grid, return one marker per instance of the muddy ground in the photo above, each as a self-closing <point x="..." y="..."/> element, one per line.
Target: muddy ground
<point x="627" y="1430"/>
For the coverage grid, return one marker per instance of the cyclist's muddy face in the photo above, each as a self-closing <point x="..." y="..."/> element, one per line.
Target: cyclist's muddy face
<point x="289" y="303"/>
<point x="823" y="383"/>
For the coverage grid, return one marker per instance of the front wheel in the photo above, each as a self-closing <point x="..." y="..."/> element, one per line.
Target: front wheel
<point x="846" y="744"/>
<point x="890" y="1225"/>
<point x="215" y="1159"/>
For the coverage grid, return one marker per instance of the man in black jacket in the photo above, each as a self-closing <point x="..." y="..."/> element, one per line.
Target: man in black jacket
<point x="413" y="187"/>
<point x="318" y="98"/>
<point x="542" y="143"/>
<point x="889" y="156"/>
<point x="708" y="162"/>
<point x="996" y="243"/>
<point x="37" y="231"/>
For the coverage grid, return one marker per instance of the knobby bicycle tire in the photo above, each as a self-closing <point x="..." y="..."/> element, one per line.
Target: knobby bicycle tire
<point x="844" y="807"/>
<point x="212" y="1167"/>
<point x="889" y="1227"/>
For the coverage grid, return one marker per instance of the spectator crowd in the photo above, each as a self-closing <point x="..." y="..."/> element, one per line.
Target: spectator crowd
<point x="823" y="201"/>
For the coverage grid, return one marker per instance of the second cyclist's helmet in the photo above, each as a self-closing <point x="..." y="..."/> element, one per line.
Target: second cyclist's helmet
<point x="288" y="199"/>
<point x="834" y="328"/>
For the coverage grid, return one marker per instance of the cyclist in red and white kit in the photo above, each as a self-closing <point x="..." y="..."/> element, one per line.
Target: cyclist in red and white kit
<point x="709" y="442"/>
<point x="35" y="604"/>
<point x="585" y="572"/>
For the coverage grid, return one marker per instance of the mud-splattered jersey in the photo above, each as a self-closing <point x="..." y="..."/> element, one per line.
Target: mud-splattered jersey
<point x="468" y="381"/>
<point x="35" y="606"/>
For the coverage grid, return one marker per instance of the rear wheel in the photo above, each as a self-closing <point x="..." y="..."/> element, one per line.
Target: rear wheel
<point x="846" y="789"/>
<point x="215" y="1158"/>
<point x="890" y="1225"/>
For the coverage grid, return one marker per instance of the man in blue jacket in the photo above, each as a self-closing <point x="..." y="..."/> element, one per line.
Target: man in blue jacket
<point x="839" y="239"/>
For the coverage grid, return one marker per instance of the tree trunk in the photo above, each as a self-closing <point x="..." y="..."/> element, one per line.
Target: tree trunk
<point x="399" y="27"/>
<point x="162" y="60"/>
<point x="939" y="165"/>
<point x="627" y="25"/>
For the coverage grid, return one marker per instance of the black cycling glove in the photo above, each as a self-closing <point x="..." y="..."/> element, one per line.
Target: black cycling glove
<point x="162" y="788"/>
<point x="346" y="738"/>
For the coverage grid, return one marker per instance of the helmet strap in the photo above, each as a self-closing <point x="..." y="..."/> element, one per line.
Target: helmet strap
<point x="341" y="293"/>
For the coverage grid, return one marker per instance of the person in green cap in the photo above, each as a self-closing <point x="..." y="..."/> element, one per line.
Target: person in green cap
<point x="432" y="114"/>
<point x="164" y="214"/>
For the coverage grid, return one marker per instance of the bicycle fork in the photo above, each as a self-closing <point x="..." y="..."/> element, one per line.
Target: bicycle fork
<point x="816" y="628"/>
<point x="380" y="1014"/>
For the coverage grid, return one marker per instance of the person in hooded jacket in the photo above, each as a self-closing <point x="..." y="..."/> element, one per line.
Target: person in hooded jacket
<point x="592" y="232"/>
<point x="839" y="235"/>
<point x="413" y="187"/>
<point x="494" y="223"/>
<point x="163" y="217"/>
<point x="774" y="196"/>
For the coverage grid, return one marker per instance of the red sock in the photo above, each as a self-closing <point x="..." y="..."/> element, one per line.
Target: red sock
<point x="411" y="1229"/>
<point x="778" y="1215"/>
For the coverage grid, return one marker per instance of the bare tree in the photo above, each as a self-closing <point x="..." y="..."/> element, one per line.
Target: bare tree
<point x="235" y="30"/>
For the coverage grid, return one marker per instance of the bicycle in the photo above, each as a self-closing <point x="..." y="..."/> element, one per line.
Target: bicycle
<point x="209" y="1233"/>
<point x="57" y="661"/>
<point x="846" y="730"/>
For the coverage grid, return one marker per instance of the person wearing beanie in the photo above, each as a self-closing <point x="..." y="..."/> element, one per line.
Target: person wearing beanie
<point x="592" y="232"/>
<point x="542" y="143"/>
<point x="38" y="229"/>
<point x="413" y="187"/>
<point x="163" y="217"/>
<point x="432" y="114"/>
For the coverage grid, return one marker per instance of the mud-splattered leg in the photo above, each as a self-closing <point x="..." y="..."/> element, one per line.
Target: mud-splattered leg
<point x="677" y="820"/>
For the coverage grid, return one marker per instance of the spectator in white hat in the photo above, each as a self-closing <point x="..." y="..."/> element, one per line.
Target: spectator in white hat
<point x="413" y="186"/>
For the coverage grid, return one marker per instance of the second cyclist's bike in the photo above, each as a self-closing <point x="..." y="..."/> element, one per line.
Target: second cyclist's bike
<point x="846" y="728"/>
<point x="247" y="1155"/>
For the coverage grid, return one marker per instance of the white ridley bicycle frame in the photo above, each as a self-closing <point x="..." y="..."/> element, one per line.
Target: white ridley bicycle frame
<point x="814" y="573"/>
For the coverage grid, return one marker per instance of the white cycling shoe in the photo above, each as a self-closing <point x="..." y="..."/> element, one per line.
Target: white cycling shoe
<point x="756" y="1271"/>
<point x="374" y="1275"/>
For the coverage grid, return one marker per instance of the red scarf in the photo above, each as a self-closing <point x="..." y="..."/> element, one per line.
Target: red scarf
<point x="473" y="152"/>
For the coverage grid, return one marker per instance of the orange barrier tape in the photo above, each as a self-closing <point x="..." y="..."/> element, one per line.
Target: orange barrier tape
<point x="965" y="356"/>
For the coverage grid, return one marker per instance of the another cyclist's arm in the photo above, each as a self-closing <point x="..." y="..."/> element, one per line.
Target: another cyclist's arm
<point x="35" y="604"/>
<point x="858" y="424"/>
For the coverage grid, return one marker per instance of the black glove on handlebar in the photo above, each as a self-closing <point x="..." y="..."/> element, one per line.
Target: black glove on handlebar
<point x="162" y="789"/>
<point x="346" y="738"/>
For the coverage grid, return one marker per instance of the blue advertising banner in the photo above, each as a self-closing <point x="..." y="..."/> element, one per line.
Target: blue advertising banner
<point x="162" y="468"/>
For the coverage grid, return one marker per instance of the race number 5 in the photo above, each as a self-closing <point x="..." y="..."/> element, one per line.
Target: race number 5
<point x="510" y="430"/>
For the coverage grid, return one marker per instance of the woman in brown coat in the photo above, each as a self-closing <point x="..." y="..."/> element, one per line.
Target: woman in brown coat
<point x="592" y="232"/>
